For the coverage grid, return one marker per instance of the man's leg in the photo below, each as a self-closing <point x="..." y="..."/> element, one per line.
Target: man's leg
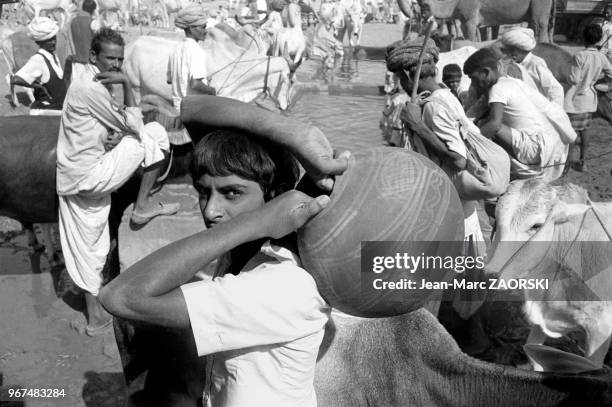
<point x="144" y="202"/>
<point x="118" y="165"/>
<point x="156" y="146"/>
<point x="83" y="225"/>
<point x="97" y="317"/>
<point x="584" y="143"/>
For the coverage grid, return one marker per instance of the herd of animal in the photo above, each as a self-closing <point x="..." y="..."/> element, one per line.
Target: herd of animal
<point x="409" y="359"/>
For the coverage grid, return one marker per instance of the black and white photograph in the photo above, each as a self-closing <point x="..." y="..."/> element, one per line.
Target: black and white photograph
<point x="305" y="203"/>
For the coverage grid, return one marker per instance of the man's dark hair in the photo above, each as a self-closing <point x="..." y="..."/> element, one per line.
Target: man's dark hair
<point x="592" y="34"/>
<point x="224" y="152"/>
<point x="451" y="71"/>
<point x="89" y="6"/>
<point x="106" y="35"/>
<point x="483" y="58"/>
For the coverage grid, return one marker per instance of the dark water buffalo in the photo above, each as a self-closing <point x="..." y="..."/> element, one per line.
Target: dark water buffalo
<point x="27" y="174"/>
<point x="27" y="168"/>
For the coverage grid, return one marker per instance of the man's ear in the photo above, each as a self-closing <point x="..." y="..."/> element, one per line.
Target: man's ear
<point x="92" y="57"/>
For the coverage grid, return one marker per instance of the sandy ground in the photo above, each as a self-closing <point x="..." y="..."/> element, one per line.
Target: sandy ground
<point x="38" y="349"/>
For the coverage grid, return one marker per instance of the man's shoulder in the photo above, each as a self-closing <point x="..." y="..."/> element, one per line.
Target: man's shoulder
<point x="87" y="87"/>
<point x="505" y="82"/>
<point x="81" y="17"/>
<point x="536" y="60"/>
<point x="37" y="58"/>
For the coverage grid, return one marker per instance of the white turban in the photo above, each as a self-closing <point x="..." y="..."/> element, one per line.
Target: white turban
<point x="191" y="16"/>
<point x="519" y="37"/>
<point x="42" y="28"/>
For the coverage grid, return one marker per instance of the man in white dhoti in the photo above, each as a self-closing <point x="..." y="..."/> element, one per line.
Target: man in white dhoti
<point x="100" y="146"/>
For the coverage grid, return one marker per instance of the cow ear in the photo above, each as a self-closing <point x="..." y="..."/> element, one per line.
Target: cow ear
<point x="562" y="211"/>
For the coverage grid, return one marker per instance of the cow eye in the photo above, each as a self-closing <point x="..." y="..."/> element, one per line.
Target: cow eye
<point x="536" y="227"/>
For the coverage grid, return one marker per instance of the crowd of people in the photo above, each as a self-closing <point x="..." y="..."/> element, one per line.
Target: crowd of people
<point x="260" y="317"/>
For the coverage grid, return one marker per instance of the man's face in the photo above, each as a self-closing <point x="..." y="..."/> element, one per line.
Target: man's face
<point x="48" y="45"/>
<point x="109" y="59"/>
<point x="224" y="197"/>
<point x="453" y="83"/>
<point x="515" y="54"/>
<point x="199" y="32"/>
<point x="482" y="80"/>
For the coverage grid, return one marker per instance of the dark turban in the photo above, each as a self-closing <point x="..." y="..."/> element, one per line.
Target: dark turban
<point x="404" y="55"/>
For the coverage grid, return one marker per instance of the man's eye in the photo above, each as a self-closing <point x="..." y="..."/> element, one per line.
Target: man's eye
<point x="232" y="195"/>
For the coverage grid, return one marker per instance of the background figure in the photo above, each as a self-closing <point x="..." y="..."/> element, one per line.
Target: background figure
<point x="81" y="33"/>
<point x="187" y="64"/>
<point x="43" y="71"/>
<point x="606" y="40"/>
<point x="451" y="77"/>
<point x="518" y="43"/>
<point x="581" y="98"/>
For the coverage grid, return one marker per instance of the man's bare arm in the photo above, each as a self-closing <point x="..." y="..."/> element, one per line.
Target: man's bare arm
<point x="411" y="115"/>
<point x="149" y="290"/>
<point x="307" y="143"/>
<point x="19" y="81"/>
<point x="496" y="130"/>
<point x="199" y="87"/>
<point x="496" y="114"/>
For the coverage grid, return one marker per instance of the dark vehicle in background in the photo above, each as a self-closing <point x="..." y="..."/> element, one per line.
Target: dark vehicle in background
<point x="573" y="16"/>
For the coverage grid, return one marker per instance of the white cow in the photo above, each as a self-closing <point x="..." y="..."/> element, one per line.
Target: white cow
<point x="556" y="232"/>
<point x="113" y="13"/>
<point x="234" y="72"/>
<point x="169" y="10"/>
<point x="290" y="39"/>
<point x="33" y="8"/>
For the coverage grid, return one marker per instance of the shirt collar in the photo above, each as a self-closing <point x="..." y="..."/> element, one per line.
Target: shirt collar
<point x="47" y="54"/>
<point x="280" y="253"/>
<point x="527" y="58"/>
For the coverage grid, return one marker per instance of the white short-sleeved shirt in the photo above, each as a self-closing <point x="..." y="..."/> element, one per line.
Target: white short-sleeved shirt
<point x="444" y="122"/>
<point x="262" y="328"/>
<point x="36" y="68"/>
<point x="520" y="109"/>
<point x="187" y="62"/>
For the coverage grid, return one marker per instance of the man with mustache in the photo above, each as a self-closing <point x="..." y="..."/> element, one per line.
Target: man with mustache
<point x="100" y="146"/>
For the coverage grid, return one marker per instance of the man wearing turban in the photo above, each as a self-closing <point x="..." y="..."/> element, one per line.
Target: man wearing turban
<point x="43" y="71"/>
<point x="518" y="43"/>
<point x="187" y="65"/>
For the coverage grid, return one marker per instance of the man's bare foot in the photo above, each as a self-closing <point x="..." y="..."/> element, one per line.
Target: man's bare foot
<point x="140" y="215"/>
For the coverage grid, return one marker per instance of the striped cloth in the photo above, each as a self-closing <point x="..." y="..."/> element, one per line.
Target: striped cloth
<point x="580" y="121"/>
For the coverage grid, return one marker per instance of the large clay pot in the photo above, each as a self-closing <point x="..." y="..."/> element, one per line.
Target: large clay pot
<point x="387" y="194"/>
